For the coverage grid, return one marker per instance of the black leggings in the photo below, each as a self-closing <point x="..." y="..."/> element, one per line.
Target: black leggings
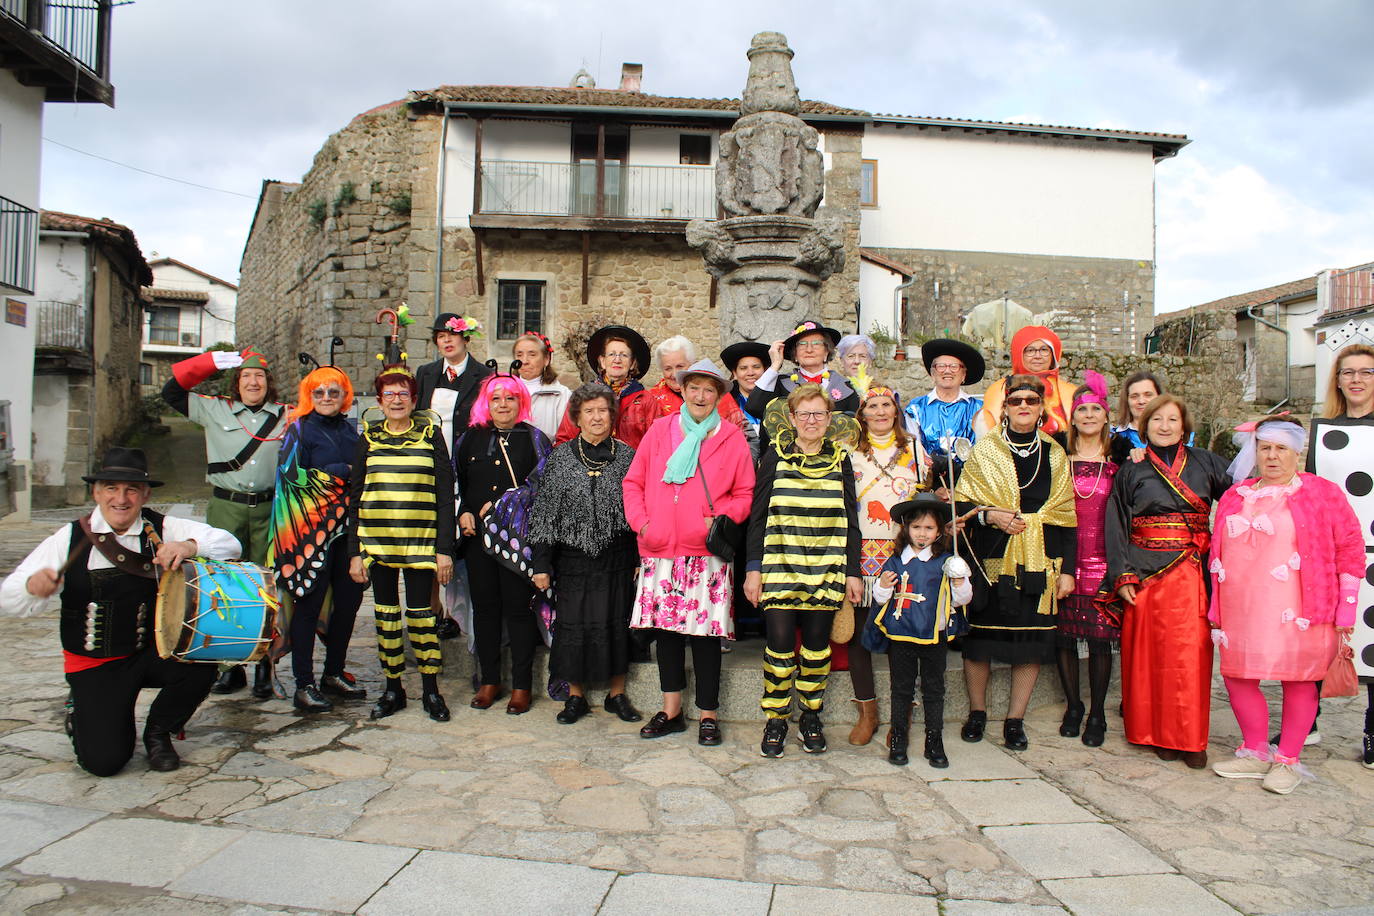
<point x="672" y="666"/>
<point x="908" y="661"/>
<point x="305" y="617"/>
<point x="860" y="659"/>
<point x="501" y="596"/>
<point x="386" y="586"/>
<point x="782" y="626"/>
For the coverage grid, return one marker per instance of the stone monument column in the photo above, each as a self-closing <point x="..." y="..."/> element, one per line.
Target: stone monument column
<point x="771" y="253"/>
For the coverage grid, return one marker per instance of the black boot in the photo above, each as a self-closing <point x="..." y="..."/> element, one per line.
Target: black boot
<point x="161" y="755"/>
<point x="974" y="726"/>
<point x="262" y="680"/>
<point x="1014" y="735"/>
<point x="392" y="701"/>
<point x="230" y="680"/>
<point x="935" y="749"/>
<point x="896" y="744"/>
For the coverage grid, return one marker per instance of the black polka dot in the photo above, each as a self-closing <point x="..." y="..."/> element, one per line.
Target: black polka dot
<point x="1335" y="439"/>
<point x="1367" y="655"/>
<point x="1369" y="574"/>
<point x="1369" y="616"/>
<point x="1359" y="484"/>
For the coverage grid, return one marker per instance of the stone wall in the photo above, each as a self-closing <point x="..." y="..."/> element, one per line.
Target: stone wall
<point x="1087" y="291"/>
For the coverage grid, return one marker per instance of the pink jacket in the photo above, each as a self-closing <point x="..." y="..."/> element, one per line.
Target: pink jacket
<point x="1330" y="548"/>
<point x="677" y="514"/>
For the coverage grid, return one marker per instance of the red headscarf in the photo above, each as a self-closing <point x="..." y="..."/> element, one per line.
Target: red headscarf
<point x="1029" y="335"/>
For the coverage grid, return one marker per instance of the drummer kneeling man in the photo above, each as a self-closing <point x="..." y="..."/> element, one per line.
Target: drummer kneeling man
<point x="105" y="569"/>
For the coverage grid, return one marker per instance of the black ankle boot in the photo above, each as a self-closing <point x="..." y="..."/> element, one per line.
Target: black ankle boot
<point x="262" y="680"/>
<point x="974" y="726"/>
<point x="1014" y="735"/>
<point x="230" y="680"/>
<point x="935" y="748"/>
<point x="896" y="745"/>
<point x="162" y="756"/>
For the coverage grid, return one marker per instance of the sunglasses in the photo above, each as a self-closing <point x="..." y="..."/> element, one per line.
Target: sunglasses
<point x="326" y="394"/>
<point x="1029" y="401"/>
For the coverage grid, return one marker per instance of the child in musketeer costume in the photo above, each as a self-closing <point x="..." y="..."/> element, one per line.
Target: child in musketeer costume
<point x="917" y="609"/>
<point x="401" y="524"/>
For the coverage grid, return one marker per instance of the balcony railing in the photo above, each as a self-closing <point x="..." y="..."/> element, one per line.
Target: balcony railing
<point x="18" y="238"/>
<point x="570" y="189"/>
<point x="61" y="325"/>
<point x="77" y="28"/>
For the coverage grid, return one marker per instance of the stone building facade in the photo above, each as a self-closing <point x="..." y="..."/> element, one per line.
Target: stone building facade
<point x="436" y="201"/>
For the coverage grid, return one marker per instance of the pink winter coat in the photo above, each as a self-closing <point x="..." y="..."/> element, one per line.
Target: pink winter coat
<point x="1330" y="548"/>
<point x="677" y="513"/>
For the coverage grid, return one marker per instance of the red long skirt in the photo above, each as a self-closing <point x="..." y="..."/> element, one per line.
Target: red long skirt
<point x="1166" y="661"/>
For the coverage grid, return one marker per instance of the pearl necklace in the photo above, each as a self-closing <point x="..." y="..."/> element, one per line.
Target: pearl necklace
<point x="1101" y="469"/>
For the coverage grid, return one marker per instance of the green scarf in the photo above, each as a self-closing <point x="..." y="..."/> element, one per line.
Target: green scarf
<point x="682" y="464"/>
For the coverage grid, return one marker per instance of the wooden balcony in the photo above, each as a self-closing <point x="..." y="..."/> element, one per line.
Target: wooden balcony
<point x="60" y="45"/>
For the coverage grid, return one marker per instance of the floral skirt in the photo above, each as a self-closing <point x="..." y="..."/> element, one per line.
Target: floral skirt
<point x="688" y="595"/>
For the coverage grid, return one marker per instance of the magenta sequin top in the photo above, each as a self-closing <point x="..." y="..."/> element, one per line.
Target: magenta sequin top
<point x="1094" y="479"/>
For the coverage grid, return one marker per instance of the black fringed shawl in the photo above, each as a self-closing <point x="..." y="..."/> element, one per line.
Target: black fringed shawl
<point x="573" y="509"/>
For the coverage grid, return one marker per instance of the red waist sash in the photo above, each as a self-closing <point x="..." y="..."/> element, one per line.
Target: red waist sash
<point x="1178" y="531"/>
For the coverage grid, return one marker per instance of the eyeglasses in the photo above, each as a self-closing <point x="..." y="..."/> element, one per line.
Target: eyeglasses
<point x="811" y="416"/>
<point x="327" y="394"/>
<point x="394" y="396"/>
<point x="1349" y="374"/>
<point x="1038" y="351"/>
<point x="946" y="367"/>
<point x="809" y="344"/>
<point x="1029" y="401"/>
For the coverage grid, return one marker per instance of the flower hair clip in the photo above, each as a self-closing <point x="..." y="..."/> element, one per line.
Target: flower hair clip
<point x="466" y="325"/>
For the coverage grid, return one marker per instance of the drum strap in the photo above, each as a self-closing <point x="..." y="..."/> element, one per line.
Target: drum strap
<point x="135" y="564"/>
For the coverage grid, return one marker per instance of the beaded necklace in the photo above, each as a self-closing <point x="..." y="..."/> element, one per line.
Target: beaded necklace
<point x="593" y="468"/>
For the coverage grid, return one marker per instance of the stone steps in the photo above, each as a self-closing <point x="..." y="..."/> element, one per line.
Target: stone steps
<point x="742" y="685"/>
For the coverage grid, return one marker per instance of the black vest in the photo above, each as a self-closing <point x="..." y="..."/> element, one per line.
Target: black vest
<point x="107" y="613"/>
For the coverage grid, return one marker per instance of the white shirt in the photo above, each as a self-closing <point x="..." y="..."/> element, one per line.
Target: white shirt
<point x="960" y="590"/>
<point x="457" y="368"/>
<point x="16" y="600"/>
<point x="548" y="404"/>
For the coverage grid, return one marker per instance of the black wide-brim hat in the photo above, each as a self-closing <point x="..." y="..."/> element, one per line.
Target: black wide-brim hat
<point x="123" y="465"/>
<point x="789" y="346"/>
<point x="732" y="354"/>
<point x="901" y="512"/>
<point x="639" y="347"/>
<point x="441" y="319"/>
<point x="974" y="364"/>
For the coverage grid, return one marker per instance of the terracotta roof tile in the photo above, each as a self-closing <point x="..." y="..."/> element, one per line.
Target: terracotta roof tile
<point x="180" y="295"/>
<point x="1021" y="125"/>
<point x="609" y="98"/>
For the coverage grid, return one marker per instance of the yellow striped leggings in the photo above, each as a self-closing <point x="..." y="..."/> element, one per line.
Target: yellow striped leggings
<point x="419" y="620"/>
<point x="780" y="668"/>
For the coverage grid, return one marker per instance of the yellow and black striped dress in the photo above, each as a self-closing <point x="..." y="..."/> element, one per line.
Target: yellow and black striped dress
<point x="398" y="522"/>
<point x="807" y="531"/>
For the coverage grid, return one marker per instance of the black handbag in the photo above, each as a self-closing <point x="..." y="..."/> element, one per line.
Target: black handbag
<point x="725" y="536"/>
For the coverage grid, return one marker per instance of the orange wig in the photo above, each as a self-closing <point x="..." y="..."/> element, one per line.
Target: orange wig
<point x="326" y="375"/>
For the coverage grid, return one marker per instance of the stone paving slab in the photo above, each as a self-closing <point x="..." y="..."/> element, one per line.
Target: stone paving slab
<point x="990" y="908"/>
<point x="1000" y="802"/>
<point x="442" y="882"/>
<point x="671" y="895"/>
<point x="984" y="759"/>
<point x="1075" y="851"/>
<point x="130" y="851"/>
<point x="26" y="827"/>
<point x="1137" y="895"/>
<point x="796" y="900"/>
<point x="282" y="870"/>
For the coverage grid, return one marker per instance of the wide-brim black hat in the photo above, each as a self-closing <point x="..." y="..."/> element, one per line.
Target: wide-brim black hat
<point x="639" y="347"/>
<point x="124" y="465"/>
<point x="789" y="346"/>
<point x="974" y="364"/>
<point x="441" y="319"/>
<point x="923" y="500"/>
<point x="732" y="354"/>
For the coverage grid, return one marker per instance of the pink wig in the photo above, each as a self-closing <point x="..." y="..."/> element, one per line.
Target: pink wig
<point x="481" y="408"/>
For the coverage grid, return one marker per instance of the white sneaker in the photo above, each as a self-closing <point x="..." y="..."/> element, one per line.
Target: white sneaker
<point x="1281" y="779"/>
<point x="1313" y="737"/>
<point x="1241" y="768"/>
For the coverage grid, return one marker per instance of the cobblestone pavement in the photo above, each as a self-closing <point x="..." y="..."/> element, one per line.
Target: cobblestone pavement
<point x="495" y="813"/>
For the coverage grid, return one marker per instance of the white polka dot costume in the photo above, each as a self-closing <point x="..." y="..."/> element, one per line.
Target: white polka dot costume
<point x="1342" y="451"/>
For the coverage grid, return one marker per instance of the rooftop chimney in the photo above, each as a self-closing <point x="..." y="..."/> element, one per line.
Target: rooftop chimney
<point x="631" y="77"/>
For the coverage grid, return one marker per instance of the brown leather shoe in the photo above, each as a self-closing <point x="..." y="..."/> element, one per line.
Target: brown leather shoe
<point x="1195" y="760"/>
<point x="519" y="703"/>
<point x="863" y="730"/>
<point x="1167" y="753"/>
<point x="485" y="696"/>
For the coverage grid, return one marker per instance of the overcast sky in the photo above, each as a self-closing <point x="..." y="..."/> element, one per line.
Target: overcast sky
<point x="1278" y="98"/>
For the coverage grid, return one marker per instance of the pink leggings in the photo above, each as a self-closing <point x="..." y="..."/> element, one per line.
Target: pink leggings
<point x="1252" y="712"/>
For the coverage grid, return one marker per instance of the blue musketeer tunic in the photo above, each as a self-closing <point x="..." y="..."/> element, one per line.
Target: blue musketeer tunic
<point x="939" y="423"/>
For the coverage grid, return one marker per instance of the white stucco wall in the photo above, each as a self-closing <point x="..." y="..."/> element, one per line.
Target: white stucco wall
<point x="1302" y="337"/>
<point x="968" y="192"/>
<point x="215" y="321"/>
<point x="62" y="270"/>
<point x="50" y="402"/>
<point x="876" y="285"/>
